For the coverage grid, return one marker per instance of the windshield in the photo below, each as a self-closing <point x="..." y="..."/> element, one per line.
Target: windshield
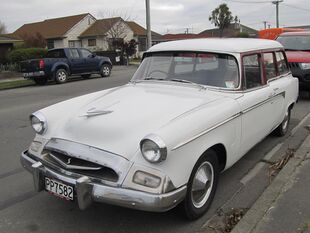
<point x="301" y="43"/>
<point x="211" y="69"/>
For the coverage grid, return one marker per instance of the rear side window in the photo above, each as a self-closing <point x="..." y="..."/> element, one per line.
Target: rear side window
<point x="281" y="62"/>
<point x="252" y="71"/>
<point x="270" y="66"/>
<point x="59" y="53"/>
<point x="74" y="54"/>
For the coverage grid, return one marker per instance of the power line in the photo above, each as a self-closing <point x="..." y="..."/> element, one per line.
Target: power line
<point x="296" y="7"/>
<point x="246" y="2"/>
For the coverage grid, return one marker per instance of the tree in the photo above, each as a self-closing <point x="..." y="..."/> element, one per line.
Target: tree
<point x="222" y="17"/>
<point x="34" y="41"/>
<point x="2" y="28"/>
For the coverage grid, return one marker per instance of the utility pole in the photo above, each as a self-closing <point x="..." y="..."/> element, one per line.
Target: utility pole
<point x="277" y="11"/>
<point x="148" y="24"/>
<point x="265" y="24"/>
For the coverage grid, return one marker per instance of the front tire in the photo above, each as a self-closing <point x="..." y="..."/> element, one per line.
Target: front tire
<point x="282" y="129"/>
<point x="61" y="76"/>
<point x="105" y="70"/>
<point x="202" y="186"/>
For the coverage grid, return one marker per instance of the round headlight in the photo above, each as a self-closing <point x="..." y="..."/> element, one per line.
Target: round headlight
<point x="38" y="122"/>
<point x="153" y="149"/>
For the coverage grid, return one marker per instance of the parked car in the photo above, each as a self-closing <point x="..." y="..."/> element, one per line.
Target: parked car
<point x="59" y="64"/>
<point x="297" y="48"/>
<point x="192" y="109"/>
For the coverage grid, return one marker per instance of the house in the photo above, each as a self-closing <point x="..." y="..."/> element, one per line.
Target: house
<point x="58" y="32"/>
<point x="7" y="42"/>
<point x="101" y="35"/>
<point x="233" y="30"/>
<point x="182" y="36"/>
<point x="140" y="35"/>
<point x="86" y="31"/>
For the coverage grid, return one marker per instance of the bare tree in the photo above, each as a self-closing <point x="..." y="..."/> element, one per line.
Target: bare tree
<point x="115" y="26"/>
<point x="2" y="28"/>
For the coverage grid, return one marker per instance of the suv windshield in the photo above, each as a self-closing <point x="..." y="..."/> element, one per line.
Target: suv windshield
<point x="211" y="69"/>
<point x="301" y="43"/>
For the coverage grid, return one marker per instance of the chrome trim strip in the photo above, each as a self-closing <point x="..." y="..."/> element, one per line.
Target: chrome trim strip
<point x="227" y="120"/>
<point x="206" y="131"/>
<point x="73" y="167"/>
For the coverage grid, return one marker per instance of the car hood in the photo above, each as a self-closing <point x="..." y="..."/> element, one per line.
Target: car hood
<point x="298" y="56"/>
<point x="119" y="119"/>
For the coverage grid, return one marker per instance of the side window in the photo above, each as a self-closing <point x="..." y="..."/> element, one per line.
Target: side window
<point x="270" y="66"/>
<point x="281" y="62"/>
<point x="74" y="54"/>
<point x="252" y="71"/>
<point x="85" y="53"/>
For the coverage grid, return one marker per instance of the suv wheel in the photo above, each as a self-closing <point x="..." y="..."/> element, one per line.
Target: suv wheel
<point x="61" y="76"/>
<point x="105" y="70"/>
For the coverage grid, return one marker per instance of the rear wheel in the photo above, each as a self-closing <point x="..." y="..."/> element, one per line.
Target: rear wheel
<point x="105" y="70"/>
<point x="282" y="129"/>
<point x="201" y="186"/>
<point x="40" y="81"/>
<point x="61" y="76"/>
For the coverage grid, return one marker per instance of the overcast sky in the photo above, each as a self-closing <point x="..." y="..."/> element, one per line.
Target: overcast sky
<point x="172" y="16"/>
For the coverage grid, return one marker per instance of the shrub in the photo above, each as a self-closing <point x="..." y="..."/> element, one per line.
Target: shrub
<point x="18" y="55"/>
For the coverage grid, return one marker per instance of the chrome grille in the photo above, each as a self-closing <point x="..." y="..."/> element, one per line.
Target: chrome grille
<point x="293" y="65"/>
<point x="80" y="166"/>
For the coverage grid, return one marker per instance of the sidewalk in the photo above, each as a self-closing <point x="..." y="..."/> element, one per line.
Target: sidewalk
<point x="284" y="207"/>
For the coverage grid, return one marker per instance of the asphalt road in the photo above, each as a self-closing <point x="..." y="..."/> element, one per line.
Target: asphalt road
<point x="23" y="210"/>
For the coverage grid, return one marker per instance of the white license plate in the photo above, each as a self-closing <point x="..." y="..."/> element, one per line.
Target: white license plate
<point x="59" y="189"/>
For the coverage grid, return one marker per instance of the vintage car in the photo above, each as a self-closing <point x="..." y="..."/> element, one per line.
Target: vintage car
<point x="192" y="109"/>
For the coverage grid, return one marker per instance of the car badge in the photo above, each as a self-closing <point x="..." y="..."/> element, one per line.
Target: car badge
<point x="97" y="112"/>
<point x="69" y="161"/>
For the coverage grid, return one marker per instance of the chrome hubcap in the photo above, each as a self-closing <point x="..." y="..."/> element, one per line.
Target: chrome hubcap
<point x="202" y="184"/>
<point x="62" y="76"/>
<point x="285" y="121"/>
<point x="106" y="70"/>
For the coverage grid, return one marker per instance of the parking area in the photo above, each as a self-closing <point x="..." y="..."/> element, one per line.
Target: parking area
<point x="23" y="210"/>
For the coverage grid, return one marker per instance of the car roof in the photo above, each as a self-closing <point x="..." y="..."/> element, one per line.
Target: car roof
<point x="221" y="45"/>
<point x="303" y="33"/>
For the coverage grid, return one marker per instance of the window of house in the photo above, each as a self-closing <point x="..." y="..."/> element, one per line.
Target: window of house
<point x="71" y="44"/>
<point x="74" y="54"/>
<point x="270" y="66"/>
<point x="91" y="42"/>
<point x="281" y="62"/>
<point x="252" y="71"/>
<point x="50" y="44"/>
<point x="85" y="53"/>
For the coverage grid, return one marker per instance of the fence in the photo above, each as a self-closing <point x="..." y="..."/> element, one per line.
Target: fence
<point x="15" y="67"/>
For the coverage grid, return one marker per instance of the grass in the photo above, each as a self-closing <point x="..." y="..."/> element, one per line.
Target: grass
<point x="15" y="84"/>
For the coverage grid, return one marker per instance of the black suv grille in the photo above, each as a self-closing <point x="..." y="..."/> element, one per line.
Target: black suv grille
<point x="293" y="65"/>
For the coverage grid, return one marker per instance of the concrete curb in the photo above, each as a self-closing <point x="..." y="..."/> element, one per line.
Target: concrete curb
<point x="256" y="213"/>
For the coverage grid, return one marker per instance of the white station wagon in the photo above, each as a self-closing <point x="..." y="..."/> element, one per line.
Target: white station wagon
<point x="192" y="109"/>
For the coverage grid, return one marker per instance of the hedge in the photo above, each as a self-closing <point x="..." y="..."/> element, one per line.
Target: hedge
<point x="18" y="55"/>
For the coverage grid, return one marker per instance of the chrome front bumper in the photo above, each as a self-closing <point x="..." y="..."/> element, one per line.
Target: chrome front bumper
<point x="88" y="192"/>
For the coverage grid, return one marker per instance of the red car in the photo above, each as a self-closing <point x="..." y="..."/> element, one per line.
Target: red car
<point x="297" y="48"/>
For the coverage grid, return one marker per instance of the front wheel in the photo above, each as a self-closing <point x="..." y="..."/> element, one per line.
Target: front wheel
<point x="282" y="129"/>
<point x="61" y="76"/>
<point x="105" y="70"/>
<point x="202" y="185"/>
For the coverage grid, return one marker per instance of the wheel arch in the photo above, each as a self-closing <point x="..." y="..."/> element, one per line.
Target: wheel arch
<point x="58" y="66"/>
<point x="221" y="153"/>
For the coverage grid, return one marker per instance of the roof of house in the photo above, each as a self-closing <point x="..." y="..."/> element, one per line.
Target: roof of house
<point x="50" y="28"/>
<point x="182" y="36"/>
<point x="219" y="45"/>
<point x="139" y="30"/>
<point x="100" y="27"/>
<point x="232" y="26"/>
<point x="8" y="39"/>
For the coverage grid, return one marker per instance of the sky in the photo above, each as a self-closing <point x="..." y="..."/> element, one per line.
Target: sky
<point x="167" y="16"/>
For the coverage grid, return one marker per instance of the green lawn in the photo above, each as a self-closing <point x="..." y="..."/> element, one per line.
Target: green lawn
<point x="15" y="84"/>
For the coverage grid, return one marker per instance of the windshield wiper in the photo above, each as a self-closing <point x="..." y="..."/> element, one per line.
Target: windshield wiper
<point x="154" y="78"/>
<point x="187" y="81"/>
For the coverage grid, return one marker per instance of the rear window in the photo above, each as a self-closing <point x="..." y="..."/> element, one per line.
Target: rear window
<point x="270" y="67"/>
<point x="59" y="53"/>
<point x="252" y="71"/>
